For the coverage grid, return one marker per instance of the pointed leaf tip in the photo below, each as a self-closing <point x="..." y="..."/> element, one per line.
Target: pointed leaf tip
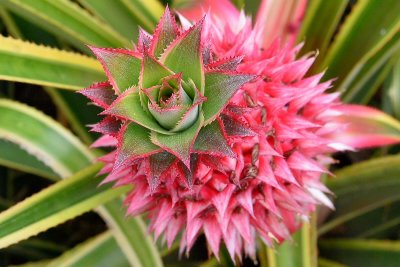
<point x="102" y="94"/>
<point x="180" y="144"/>
<point x="121" y="66"/>
<point x="365" y="127"/>
<point x="166" y="31"/>
<point x="133" y="142"/>
<point x="184" y="55"/>
<point x="212" y="140"/>
<point x="220" y="86"/>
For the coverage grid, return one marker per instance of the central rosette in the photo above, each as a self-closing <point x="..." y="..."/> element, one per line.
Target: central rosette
<point x="174" y="103"/>
<point x="167" y="96"/>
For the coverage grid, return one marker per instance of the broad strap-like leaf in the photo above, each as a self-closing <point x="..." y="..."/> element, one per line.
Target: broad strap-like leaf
<point x="43" y="137"/>
<point x="220" y="87"/>
<point x="184" y="55"/>
<point x="211" y="140"/>
<point x="121" y="17"/>
<point x="391" y="101"/>
<point x="165" y="33"/>
<point x="128" y="106"/>
<point x="77" y="112"/>
<point x="132" y="236"/>
<point x="359" y="36"/>
<point x="362" y="82"/>
<point x="37" y="145"/>
<point x="101" y="250"/>
<point x="301" y="251"/>
<point x="134" y="142"/>
<point x="68" y="20"/>
<point x="365" y="127"/>
<point x="363" y="187"/>
<point x="146" y="12"/>
<point x="54" y="205"/>
<point x="121" y="66"/>
<point x="180" y="144"/>
<point x="320" y="22"/>
<point x="362" y="252"/>
<point x="36" y="64"/>
<point x="19" y="159"/>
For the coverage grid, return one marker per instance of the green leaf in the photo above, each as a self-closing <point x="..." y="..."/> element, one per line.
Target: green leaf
<point x="319" y="25"/>
<point x="54" y="205"/>
<point x="115" y="15"/>
<point x="369" y="73"/>
<point x="379" y="223"/>
<point x="76" y="111"/>
<point x="100" y="251"/>
<point x="121" y="66"/>
<point x="179" y="144"/>
<point x="220" y="87"/>
<point x="302" y="249"/>
<point x="118" y="226"/>
<point x="152" y="72"/>
<point x="170" y="117"/>
<point x="19" y="159"/>
<point x="184" y="55"/>
<point x="392" y="92"/>
<point x="361" y="35"/>
<point x="362" y="252"/>
<point x="35" y="64"/>
<point x="129" y="107"/>
<point x="328" y="263"/>
<point x="146" y="12"/>
<point x="164" y="34"/>
<point x="10" y="24"/>
<point x="211" y="140"/>
<point x="360" y="188"/>
<point x="43" y="137"/>
<point x="67" y="20"/>
<point x="135" y="144"/>
<point x="132" y="237"/>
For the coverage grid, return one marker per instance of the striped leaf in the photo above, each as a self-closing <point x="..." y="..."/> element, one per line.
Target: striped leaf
<point x="67" y="20"/>
<point x="19" y="159"/>
<point x="42" y="137"/>
<point x="359" y="189"/>
<point x="115" y="15"/>
<point x="36" y="64"/>
<point x="67" y="155"/>
<point x="146" y="12"/>
<point x="100" y="251"/>
<point x="361" y="35"/>
<point x="54" y="205"/>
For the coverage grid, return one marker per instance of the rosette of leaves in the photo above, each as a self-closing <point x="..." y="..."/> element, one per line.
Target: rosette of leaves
<point x="163" y="98"/>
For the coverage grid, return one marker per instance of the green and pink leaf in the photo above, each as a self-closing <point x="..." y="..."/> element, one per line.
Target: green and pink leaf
<point x="121" y="66"/>
<point x="220" y="87"/>
<point x="365" y="127"/>
<point x="128" y="107"/>
<point x="133" y="143"/>
<point x="184" y="55"/>
<point x="181" y="143"/>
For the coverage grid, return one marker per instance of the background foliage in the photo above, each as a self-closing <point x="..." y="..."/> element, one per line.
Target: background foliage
<point x="53" y="212"/>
